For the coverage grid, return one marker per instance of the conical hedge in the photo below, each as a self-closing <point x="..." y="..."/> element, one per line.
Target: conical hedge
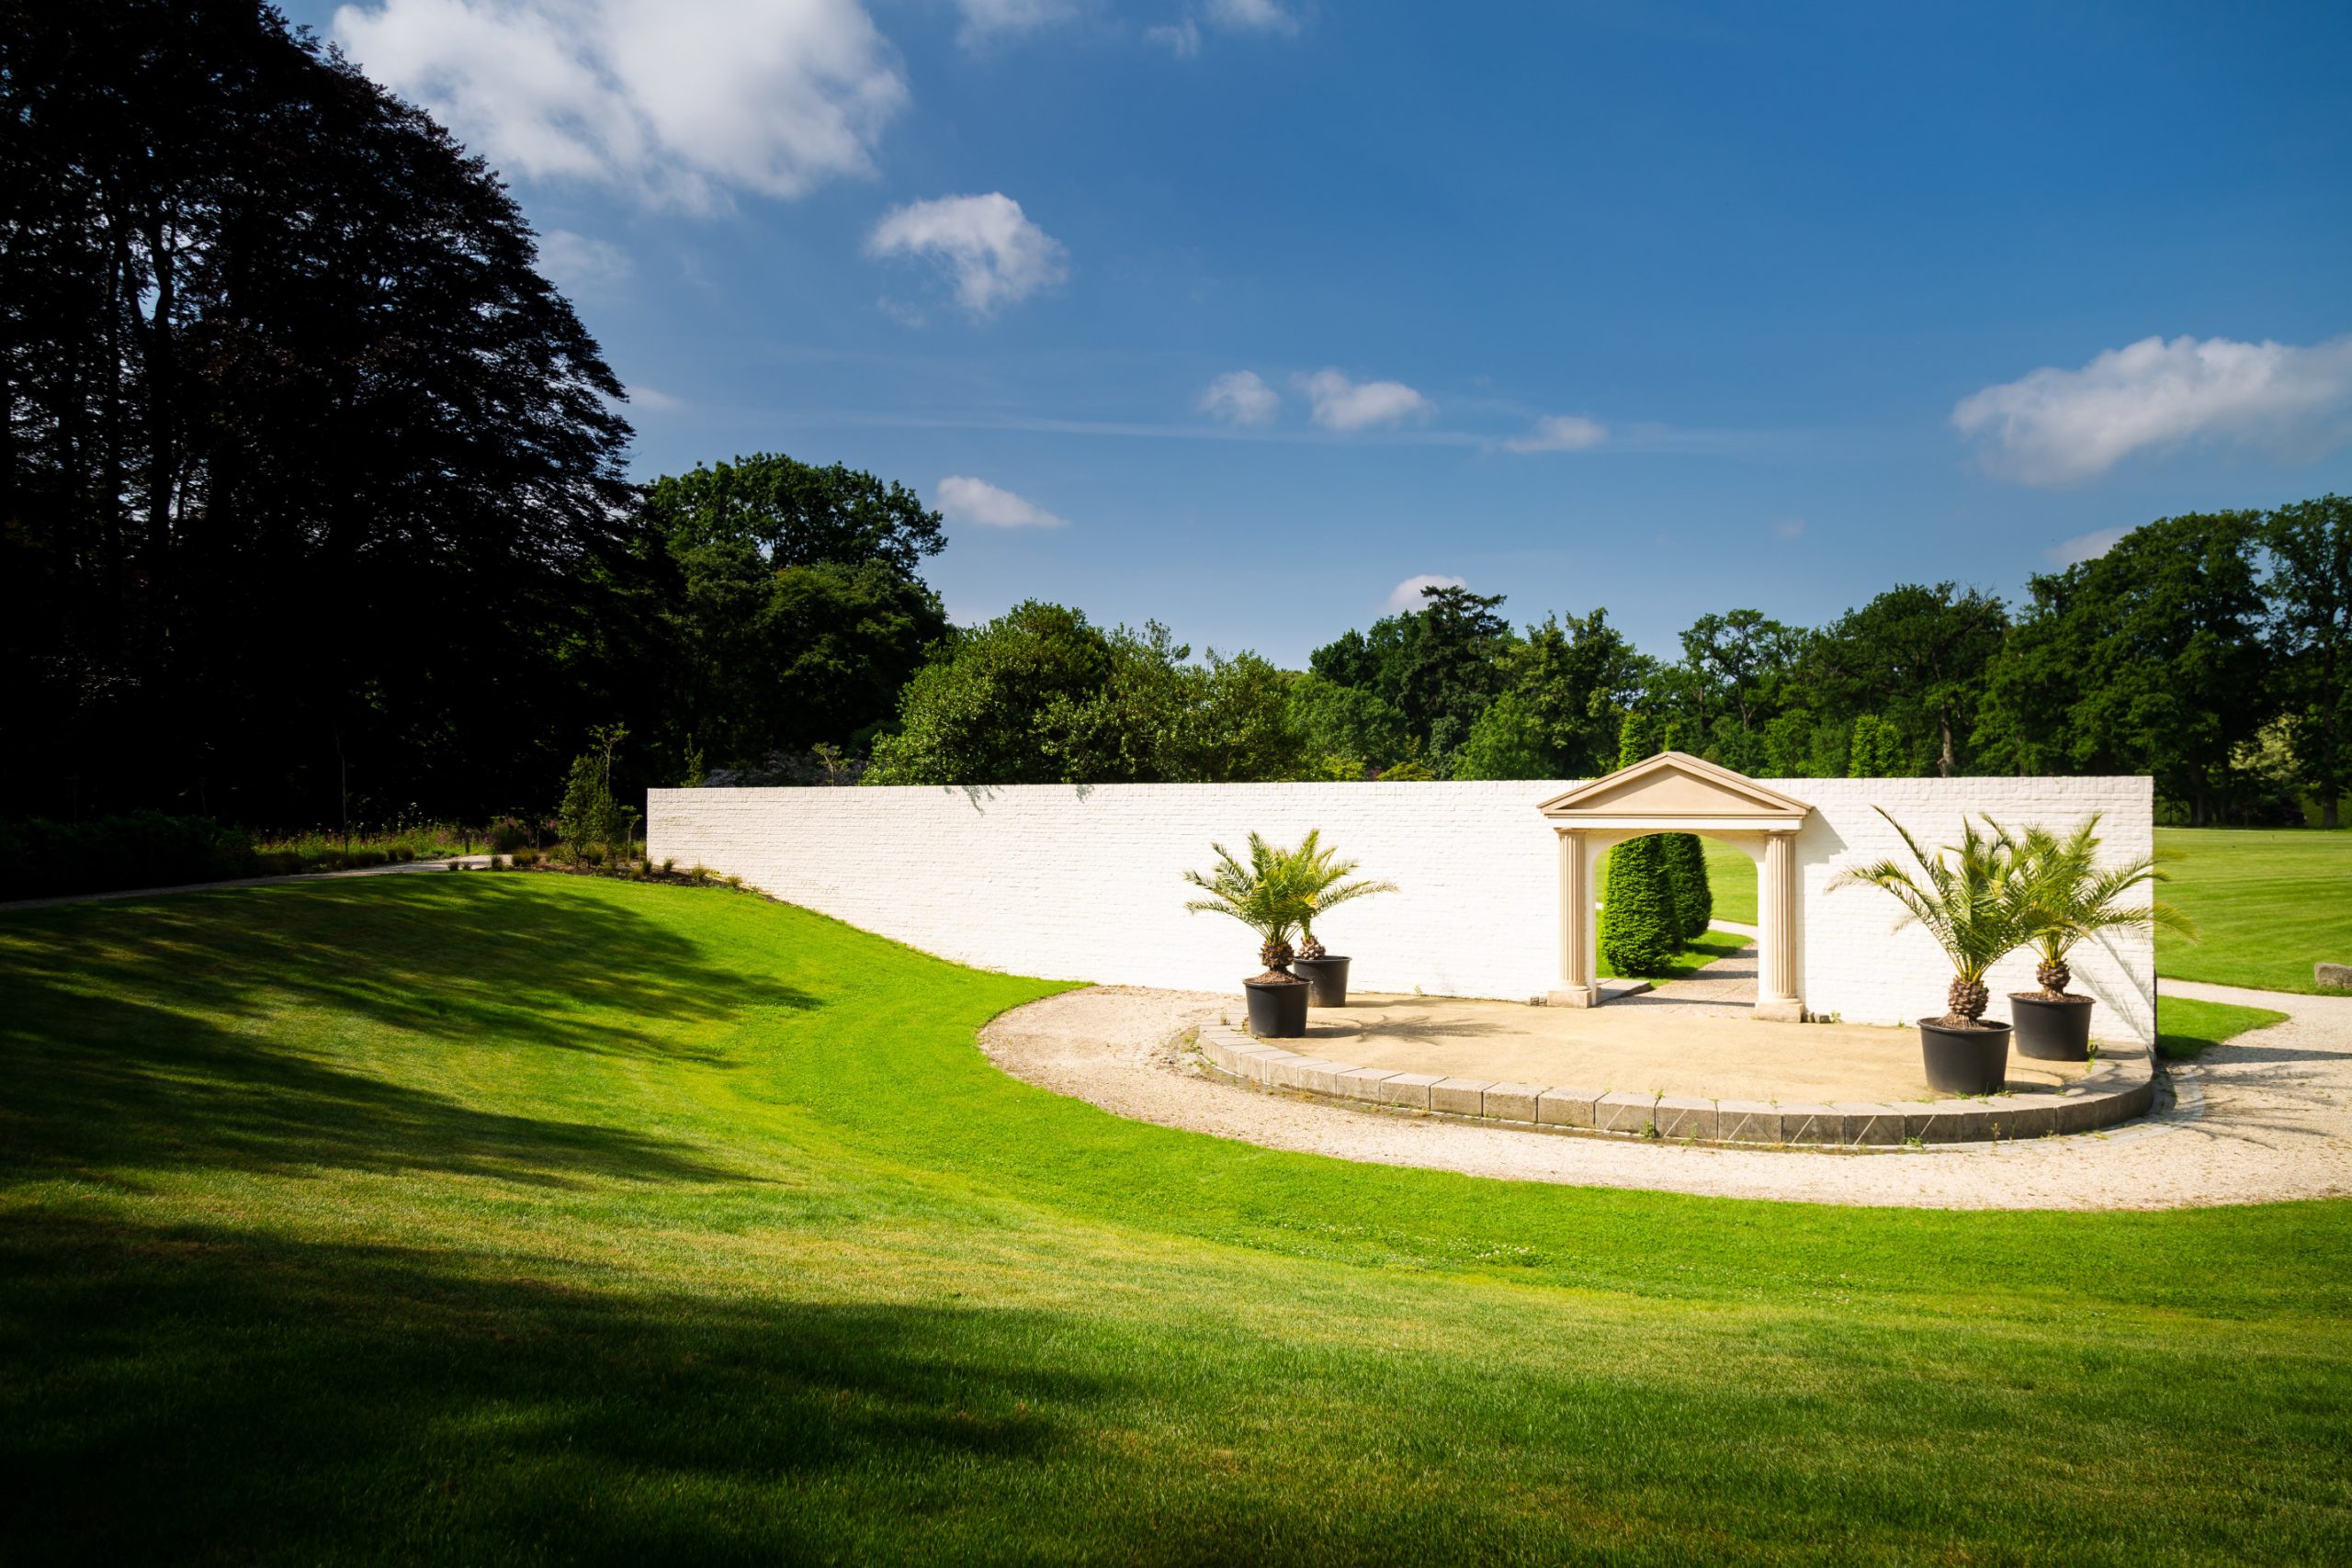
<point x="1641" y="916"/>
<point x="1640" y="926"/>
<point x="1694" y="900"/>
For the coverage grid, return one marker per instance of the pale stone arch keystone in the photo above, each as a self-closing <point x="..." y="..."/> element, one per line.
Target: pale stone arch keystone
<point x="1675" y="792"/>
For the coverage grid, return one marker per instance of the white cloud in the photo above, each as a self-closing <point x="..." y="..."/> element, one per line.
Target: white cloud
<point x="1253" y="16"/>
<point x="984" y="19"/>
<point x="1789" y="528"/>
<point x="1180" y="39"/>
<point x="1407" y="595"/>
<point x="2057" y="425"/>
<point x="679" y="103"/>
<point x="985" y="244"/>
<point x="1561" y="433"/>
<point x="1239" y="396"/>
<point x="653" y="398"/>
<point x="2084" y="547"/>
<point x="1342" y="404"/>
<point x="580" y="264"/>
<point x="966" y="500"/>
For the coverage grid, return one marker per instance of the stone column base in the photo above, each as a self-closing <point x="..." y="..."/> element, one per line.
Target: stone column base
<point x="1574" y="997"/>
<point x="1780" y="1013"/>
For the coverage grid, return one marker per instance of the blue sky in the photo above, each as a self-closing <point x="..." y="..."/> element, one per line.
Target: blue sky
<point x="1667" y="310"/>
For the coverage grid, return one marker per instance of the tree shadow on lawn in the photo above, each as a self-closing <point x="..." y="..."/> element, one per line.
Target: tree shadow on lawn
<point x="203" y="1392"/>
<point x="201" y="1030"/>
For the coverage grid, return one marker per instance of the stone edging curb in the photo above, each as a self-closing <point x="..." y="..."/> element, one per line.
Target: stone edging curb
<point x="2120" y="1085"/>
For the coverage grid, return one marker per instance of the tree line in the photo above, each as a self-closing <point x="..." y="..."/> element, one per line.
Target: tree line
<point x="313" y="508"/>
<point x="2212" y="651"/>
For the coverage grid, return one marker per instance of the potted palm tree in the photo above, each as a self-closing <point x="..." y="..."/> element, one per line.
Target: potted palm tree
<point x="1324" y="881"/>
<point x="1267" y="896"/>
<point x="1973" y="904"/>
<point x="2068" y="897"/>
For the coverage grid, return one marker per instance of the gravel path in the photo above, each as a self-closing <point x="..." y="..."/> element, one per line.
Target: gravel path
<point x="2265" y="1118"/>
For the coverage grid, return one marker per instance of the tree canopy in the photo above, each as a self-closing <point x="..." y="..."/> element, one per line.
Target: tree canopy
<point x="303" y="459"/>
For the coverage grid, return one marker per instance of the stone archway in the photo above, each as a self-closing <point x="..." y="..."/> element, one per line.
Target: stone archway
<point x="1675" y="792"/>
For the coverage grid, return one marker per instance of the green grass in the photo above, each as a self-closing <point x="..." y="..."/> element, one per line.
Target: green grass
<point x="1731" y="876"/>
<point x="2185" y="1026"/>
<point x="494" y="1219"/>
<point x="1690" y="960"/>
<point x="2268" y="903"/>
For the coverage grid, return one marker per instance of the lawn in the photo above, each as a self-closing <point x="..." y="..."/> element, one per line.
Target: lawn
<point x="523" y="1218"/>
<point x="2186" y="1027"/>
<point x="1694" y="958"/>
<point x="2268" y="903"/>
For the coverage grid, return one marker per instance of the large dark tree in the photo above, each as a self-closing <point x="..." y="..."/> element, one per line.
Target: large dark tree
<point x="1437" y="667"/>
<point x="1916" y="658"/>
<point x="2310" y="586"/>
<point x="2148" y="660"/>
<point x="776" y="605"/>
<point x="303" y="462"/>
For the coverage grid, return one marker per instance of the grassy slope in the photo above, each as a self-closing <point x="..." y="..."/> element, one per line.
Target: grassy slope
<point x="2269" y="904"/>
<point x="519" y="1218"/>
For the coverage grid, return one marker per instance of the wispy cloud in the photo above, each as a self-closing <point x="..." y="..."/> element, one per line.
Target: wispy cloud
<point x="581" y="265"/>
<point x="985" y="20"/>
<point x="1560" y="433"/>
<point x="963" y="499"/>
<point x="678" y="103"/>
<point x="2055" y="426"/>
<point x="2084" y="547"/>
<point x="1253" y="16"/>
<point x="1407" y="595"/>
<point x="1240" y="396"/>
<point x="1342" y="404"/>
<point x="985" y="244"/>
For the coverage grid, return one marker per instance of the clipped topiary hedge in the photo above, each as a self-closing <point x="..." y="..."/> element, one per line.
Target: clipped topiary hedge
<point x="1694" y="899"/>
<point x="1639" y="921"/>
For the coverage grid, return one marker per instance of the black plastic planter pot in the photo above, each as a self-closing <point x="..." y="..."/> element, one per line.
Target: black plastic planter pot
<point x="2053" y="1030"/>
<point x="1327" y="980"/>
<point x="1965" y="1061"/>
<point x="1277" y="1008"/>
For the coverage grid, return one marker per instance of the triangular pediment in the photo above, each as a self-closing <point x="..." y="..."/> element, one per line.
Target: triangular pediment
<point x="1674" y="784"/>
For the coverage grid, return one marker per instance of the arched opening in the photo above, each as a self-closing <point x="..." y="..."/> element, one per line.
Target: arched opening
<point x="1673" y="793"/>
<point x="1715" y="966"/>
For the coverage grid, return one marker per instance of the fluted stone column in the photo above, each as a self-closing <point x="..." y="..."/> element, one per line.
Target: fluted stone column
<point x="1777" y="998"/>
<point x="1577" y="989"/>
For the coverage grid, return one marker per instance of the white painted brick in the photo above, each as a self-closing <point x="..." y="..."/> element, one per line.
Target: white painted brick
<point x="1073" y="882"/>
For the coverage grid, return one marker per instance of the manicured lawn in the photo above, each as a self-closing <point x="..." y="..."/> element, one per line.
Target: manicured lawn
<point x="2185" y="1026"/>
<point x="2269" y="903"/>
<point x="1731" y="876"/>
<point x="525" y="1219"/>
<point x="1692" y="959"/>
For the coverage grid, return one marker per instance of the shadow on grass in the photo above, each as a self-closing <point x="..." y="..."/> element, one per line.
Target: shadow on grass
<point x="202" y="1030"/>
<point x="203" y="1393"/>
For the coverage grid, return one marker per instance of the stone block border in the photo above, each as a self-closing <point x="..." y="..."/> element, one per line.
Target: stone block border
<point x="2120" y="1086"/>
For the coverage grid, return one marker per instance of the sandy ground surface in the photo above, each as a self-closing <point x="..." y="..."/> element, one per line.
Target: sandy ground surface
<point x="2266" y="1117"/>
<point x="1645" y="1045"/>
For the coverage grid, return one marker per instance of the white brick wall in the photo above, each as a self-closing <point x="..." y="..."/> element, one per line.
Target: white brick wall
<point x="1076" y="882"/>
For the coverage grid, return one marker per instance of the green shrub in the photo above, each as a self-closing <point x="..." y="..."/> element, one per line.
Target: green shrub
<point x="507" y="834"/>
<point x="1694" y="899"/>
<point x="523" y="858"/>
<point x="1639" y="922"/>
<point x="41" y="859"/>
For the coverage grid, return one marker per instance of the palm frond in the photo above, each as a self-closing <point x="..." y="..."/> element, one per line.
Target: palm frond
<point x="1968" y="896"/>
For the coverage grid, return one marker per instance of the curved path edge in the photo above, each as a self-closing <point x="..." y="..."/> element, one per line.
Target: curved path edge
<point x="2265" y="1119"/>
<point x="2120" y="1086"/>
